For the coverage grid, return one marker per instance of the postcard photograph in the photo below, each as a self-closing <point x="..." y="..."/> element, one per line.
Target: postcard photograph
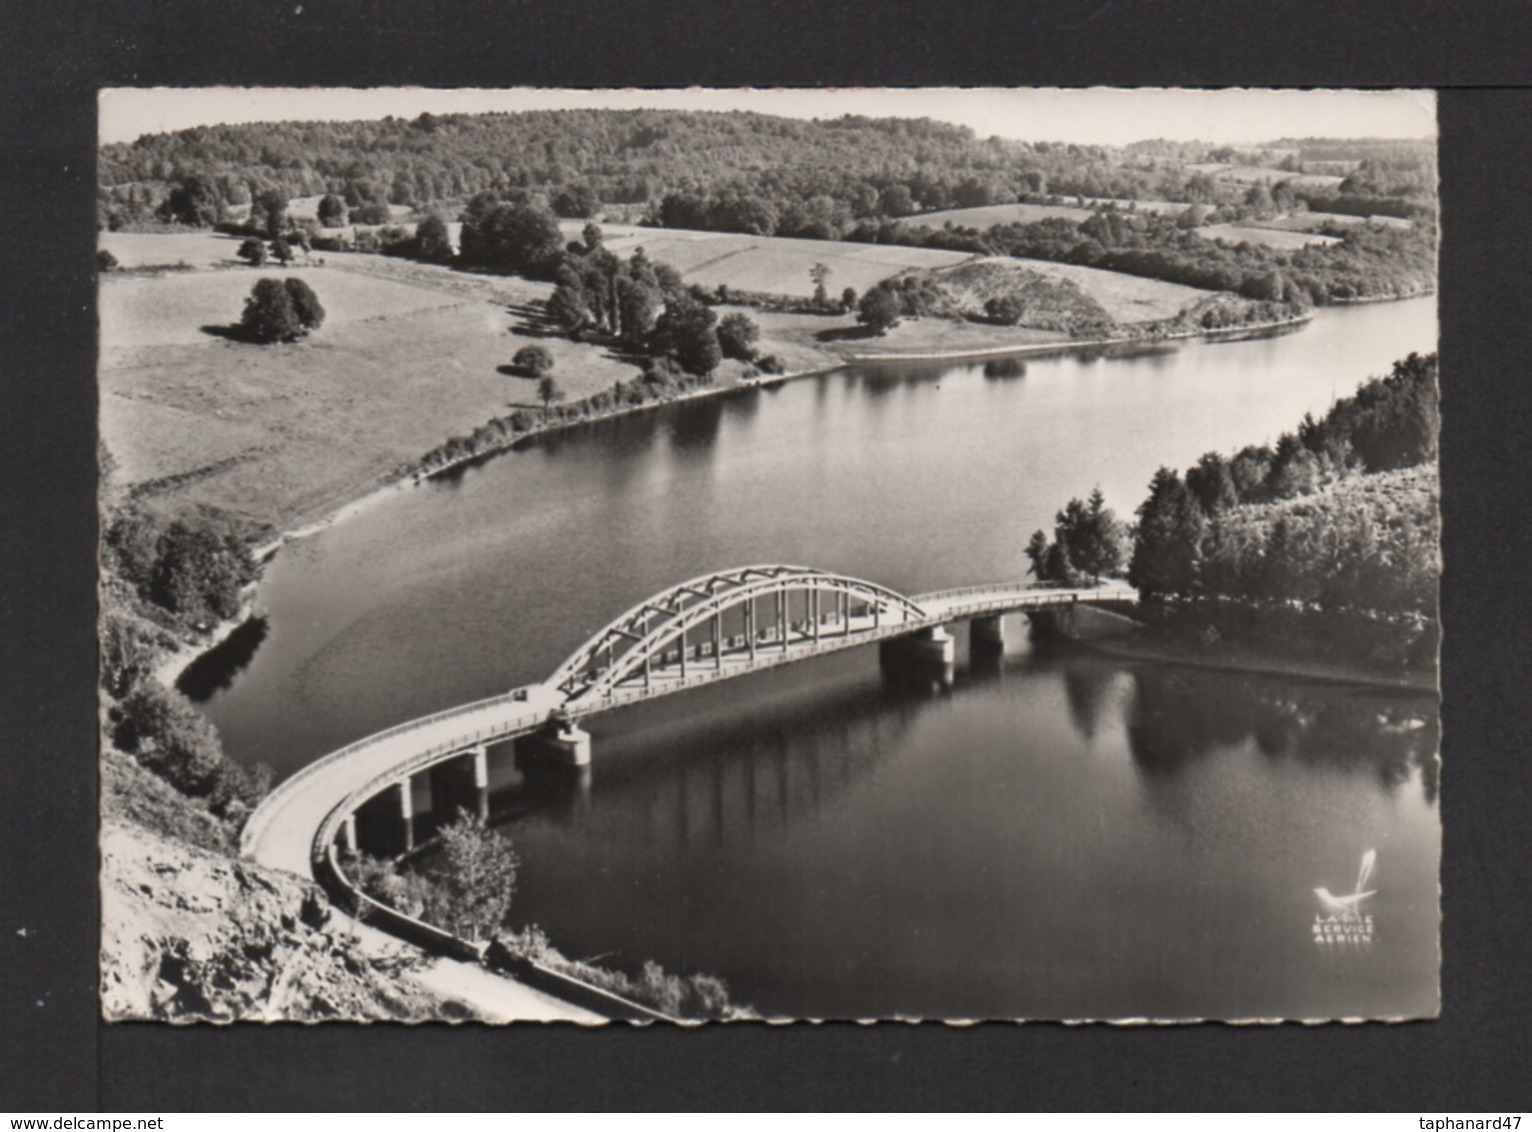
<point x="675" y="556"/>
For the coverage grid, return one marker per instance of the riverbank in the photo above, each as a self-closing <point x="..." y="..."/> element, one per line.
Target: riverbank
<point x="1254" y="329"/>
<point x="1155" y="646"/>
<point x="503" y="434"/>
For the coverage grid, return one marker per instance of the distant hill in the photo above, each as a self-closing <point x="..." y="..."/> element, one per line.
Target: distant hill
<point x="834" y="170"/>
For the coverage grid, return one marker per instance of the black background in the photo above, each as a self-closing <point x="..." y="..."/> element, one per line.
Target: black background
<point x="55" y="1054"/>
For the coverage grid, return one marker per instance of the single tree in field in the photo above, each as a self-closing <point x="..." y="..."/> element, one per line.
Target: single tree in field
<point x="105" y="261"/>
<point x="534" y="361"/>
<point x="820" y="274"/>
<point x="848" y="300"/>
<point x="332" y="211"/>
<point x="548" y="390"/>
<point x="476" y="880"/>
<point x="269" y="314"/>
<point x="281" y="251"/>
<point x="879" y="309"/>
<point x="253" y="251"/>
<point x="281" y="312"/>
<point x="737" y="336"/>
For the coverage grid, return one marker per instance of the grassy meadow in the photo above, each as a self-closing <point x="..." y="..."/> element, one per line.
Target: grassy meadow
<point x="1282" y="239"/>
<point x="286" y="434"/>
<point x="991" y="215"/>
<point x="769" y="264"/>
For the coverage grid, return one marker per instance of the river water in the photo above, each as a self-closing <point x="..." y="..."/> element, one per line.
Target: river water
<point x="1039" y="836"/>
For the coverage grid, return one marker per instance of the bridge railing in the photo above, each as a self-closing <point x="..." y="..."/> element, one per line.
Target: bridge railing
<point x="354" y="799"/>
<point x="273" y="801"/>
<point x="1043" y="594"/>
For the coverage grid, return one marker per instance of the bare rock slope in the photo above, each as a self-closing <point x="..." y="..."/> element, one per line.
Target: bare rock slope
<point x="190" y="935"/>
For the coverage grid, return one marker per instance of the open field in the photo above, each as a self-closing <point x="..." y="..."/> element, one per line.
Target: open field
<point x="1311" y="221"/>
<point x="287" y="434"/>
<point x="173" y="309"/>
<point x="1284" y="240"/>
<point x="1125" y="298"/>
<point x="769" y="264"/>
<point x="195" y="249"/>
<point x="991" y="215"/>
<point x="1255" y="174"/>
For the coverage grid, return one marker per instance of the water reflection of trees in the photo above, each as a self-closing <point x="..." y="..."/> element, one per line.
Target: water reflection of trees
<point x="1177" y="716"/>
<point x="215" y="669"/>
<point x="1090" y="691"/>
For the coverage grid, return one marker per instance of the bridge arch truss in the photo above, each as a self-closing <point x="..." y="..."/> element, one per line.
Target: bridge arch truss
<point x="658" y="635"/>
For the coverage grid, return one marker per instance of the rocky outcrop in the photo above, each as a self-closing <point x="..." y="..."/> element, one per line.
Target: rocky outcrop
<point x="189" y="935"/>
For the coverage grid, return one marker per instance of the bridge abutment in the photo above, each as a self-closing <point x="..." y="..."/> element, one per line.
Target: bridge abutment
<point x="563" y="743"/>
<point x="928" y="646"/>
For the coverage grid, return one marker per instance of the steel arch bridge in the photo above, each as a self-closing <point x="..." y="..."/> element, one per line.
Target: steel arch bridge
<point x="717" y="621"/>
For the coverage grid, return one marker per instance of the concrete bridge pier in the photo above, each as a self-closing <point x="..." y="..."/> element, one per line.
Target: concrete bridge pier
<point x="461" y="784"/>
<point x="403" y="792"/>
<point x="986" y="635"/>
<point x="561" y="742"/>
<point x="928" y="646"/>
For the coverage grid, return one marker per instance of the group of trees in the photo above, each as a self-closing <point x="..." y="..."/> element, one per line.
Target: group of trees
<point x="466" y="890"/>
<point x="645" y="306"/>
<point x="163" y="579"/>
<point x="1089" y="542"/>
<point x="1194" y="537"/>
<point x="912" y="294"/>
<point x="193" y="568"/>
<point x="518" y="235"/>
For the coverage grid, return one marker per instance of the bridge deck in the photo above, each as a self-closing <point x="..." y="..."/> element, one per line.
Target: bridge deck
<point x="282" y="831"/>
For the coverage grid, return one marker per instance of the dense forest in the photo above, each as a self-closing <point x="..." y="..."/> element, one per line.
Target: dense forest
<point x="1332" y="531"/>
<point x="728" y="170"/>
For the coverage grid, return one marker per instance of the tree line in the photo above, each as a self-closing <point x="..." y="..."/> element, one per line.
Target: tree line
<point x="1197" y="535"/>
<point x="737" y="171"/>
<point x="1369" y="261"/>
<point x="1337" y="521"/>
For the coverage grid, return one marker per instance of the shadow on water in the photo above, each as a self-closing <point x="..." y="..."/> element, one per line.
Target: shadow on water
<point x="1005" y="368"/>
<point x="215" y="669"/>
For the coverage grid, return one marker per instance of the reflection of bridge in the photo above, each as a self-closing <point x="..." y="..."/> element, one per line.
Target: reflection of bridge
<point x="712" y="628"/>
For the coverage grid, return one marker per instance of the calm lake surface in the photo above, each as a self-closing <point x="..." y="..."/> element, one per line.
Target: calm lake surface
<point x="1047" y="835"/>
